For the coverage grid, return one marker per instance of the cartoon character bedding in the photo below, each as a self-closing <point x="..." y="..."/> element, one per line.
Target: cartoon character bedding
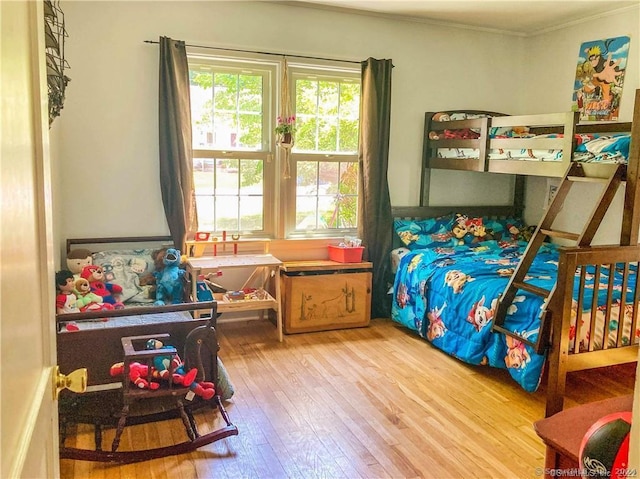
<point x="591" y="149"/>
<point x="447" y="292"/>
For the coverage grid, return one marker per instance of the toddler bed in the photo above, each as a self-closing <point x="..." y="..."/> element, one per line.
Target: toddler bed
<point x="447" y="285"/>
<point x="92" y="339"/>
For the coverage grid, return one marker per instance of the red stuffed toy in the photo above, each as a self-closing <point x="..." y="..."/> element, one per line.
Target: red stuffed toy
<point x="95" y="275"/>
<point x="137" y="375"/>
<point x="163" y="365"/>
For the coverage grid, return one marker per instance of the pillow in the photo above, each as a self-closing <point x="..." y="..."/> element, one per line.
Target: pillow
<point x="224" y="385"/>
<point x="396" y="255"/>
<point x="507" y="229"/>
<point x="618" y="143"/>
<point x="427" y="233"/>
<point x="125" y="268"/>
<point x="467" y="230"/>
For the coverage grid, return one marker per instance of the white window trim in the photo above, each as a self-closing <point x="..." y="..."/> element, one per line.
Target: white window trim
<point x="296" y="70"/>
<point x="279" y="194"/>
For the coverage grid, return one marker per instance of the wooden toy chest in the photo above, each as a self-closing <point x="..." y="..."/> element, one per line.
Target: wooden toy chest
<point x="324" y="295"/>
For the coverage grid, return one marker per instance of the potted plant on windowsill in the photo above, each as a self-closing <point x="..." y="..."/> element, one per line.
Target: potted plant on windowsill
<point x="285" y="129"/>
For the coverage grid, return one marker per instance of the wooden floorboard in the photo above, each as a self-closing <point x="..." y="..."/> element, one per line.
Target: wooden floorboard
<point x="376" y="402"/>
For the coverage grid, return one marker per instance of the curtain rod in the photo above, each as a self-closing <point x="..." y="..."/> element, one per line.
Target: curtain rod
<point x="265" y="53"/>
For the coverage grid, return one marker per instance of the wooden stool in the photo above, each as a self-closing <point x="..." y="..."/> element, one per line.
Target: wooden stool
<point x="563" y="432"/>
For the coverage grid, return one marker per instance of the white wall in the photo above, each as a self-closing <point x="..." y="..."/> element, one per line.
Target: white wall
<point x="552" y="60"/>
<point x="108" y="143"/>
<point x="108" y="129"/>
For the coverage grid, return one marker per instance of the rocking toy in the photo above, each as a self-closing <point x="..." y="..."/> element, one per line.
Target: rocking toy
<point x="134" y="404"/>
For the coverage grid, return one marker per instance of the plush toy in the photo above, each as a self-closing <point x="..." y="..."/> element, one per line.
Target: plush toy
<point x="66" y="299"/>
<point x="459" y="229"/>
<point x="149" y="279"/>
<point x="163" y="365"/>
<point x="168" y="280"/>
<point x="138" y="373"/>
<point x="441" y="116"/>
<point x="95" y="275"/>
<point x="78" y="259"/>
<point x="87" y="300"/>
<point x="478" y="230"/>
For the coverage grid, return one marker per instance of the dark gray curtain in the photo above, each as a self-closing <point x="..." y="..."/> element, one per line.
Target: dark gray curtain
<point x="176" y="165"/>
<point x="376" y="222"/>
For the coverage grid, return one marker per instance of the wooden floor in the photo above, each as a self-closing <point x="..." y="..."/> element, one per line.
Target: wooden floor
<point x="374" y="402"/>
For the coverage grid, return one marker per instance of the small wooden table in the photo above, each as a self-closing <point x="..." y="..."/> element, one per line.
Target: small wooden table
<point x="263" y="267"/>
<point x="562" y="433"/>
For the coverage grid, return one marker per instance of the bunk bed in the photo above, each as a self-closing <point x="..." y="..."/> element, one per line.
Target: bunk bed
<point x="542" y="145"/>
<point x="568" y="312"/>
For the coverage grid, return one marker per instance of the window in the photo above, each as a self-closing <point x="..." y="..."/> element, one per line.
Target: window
<point x="237" y="166"/>
<point x="324" y="157"/>
<point x="230" y="110"/>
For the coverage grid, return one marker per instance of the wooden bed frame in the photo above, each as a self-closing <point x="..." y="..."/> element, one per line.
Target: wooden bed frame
<point x="565" y="123"/>
<point x="98" y="349"/>
<point x="625" y="256"/>
<point x="107" y="399"/>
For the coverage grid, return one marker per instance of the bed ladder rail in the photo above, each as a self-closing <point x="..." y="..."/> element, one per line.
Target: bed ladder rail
<point x="575" y="174"/>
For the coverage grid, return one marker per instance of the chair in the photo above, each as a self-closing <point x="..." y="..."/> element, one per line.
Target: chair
<point x="168" y="400"/>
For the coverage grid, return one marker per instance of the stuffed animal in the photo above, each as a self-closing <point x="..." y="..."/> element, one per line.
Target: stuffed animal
<point x="164" y="365"/>
<point x="169" y="279"/>
<point x="66" y="299"/>
<point x="138" y="373"/>
<point x="87" y="300"/>
<point x="149" y="279"/>
<point x="459" y="229"/>
<point x="78" y="259"/>
<point x="95" y="275"/>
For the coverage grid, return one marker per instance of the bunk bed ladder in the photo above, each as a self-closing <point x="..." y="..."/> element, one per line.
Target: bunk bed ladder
<point x="575" y="173"/>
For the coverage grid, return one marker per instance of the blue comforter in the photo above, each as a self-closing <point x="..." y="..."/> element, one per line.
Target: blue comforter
<point x="449" y="296"/>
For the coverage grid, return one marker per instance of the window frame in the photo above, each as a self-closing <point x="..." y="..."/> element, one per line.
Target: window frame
<point x="295" y="72"/>
<point x="269" y="71"/>
<point x="279" y="194"/>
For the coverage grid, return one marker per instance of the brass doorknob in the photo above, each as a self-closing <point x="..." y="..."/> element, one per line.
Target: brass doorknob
<point x="76" y="381"/>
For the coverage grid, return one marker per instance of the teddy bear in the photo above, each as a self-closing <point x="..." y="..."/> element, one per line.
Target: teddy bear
<point x="78" y="259"/>
<point x="66" y="299"/>
<point x="88" y="300"/>
<point x="95" y="275"/>
<point x="168" y="279"/>
<point x="138" y="374"/>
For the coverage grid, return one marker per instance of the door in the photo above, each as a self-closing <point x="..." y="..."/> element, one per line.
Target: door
<point x="29" y="446"/>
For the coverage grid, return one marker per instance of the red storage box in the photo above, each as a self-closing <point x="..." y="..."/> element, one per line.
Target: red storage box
<point x="342" y="254"/>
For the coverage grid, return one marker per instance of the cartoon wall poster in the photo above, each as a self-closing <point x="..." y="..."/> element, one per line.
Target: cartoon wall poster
<point x="600" y="75"/>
